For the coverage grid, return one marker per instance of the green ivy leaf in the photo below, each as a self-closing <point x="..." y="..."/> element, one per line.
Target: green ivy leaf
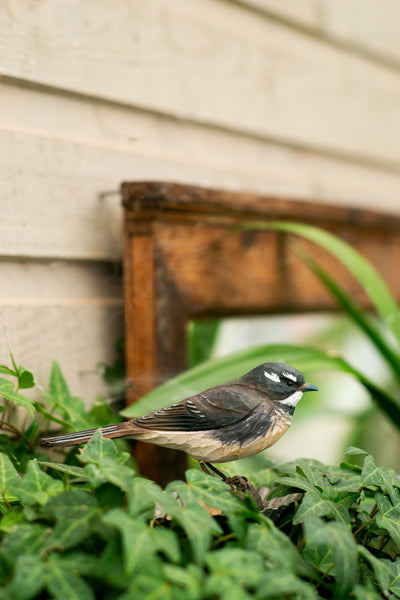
<point x="315" y="505"/>
<point x="75" y="512"/>
<point x="267" y="540"/>
<point x="199" y="527"/>
<point x="99" y="448"/>
<point x="280" y="584"/>
<point x="140" y="541"/>
<point x="332" y="544"/>
<point x="8" y="392"/>
<point x="188" y="578"/>
<point x="109" y="471"/>
<point x="105" y="463"/>
<point x="60" y="398"/>
<point x="244" y="567"/>
<point x="7" y="371"/>
<point x="211" y="491"/>
<point x="388" y="517"/>
<point x="62" y="583"/>
<point x="11" y="519"/>
<point x="150" y="587"/>
<point x="387" y="572"/>
<point x="353" y="450"/>
<point x="37" y="487"/>
<point x="63" y="468"/>
<point x="25" y="379"/>
<point x="144" y="496"/>
<point x="28" y="538"/>
<point x="9" y="479"/>
<point x="29" y="577"/>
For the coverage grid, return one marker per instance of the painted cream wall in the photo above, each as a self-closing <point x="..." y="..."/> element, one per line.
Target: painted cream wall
<point x="299" y="97"/>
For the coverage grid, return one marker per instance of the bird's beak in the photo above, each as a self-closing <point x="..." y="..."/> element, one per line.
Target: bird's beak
<point x="308" y="387"/>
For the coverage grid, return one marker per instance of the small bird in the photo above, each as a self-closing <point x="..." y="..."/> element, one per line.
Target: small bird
<point x="224" y="423"/>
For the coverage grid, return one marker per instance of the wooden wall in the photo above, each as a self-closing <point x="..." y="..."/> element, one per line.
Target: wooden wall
<point x="299" y="97"/>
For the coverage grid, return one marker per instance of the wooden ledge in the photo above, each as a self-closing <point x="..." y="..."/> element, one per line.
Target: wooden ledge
<point x="171" y="201"/>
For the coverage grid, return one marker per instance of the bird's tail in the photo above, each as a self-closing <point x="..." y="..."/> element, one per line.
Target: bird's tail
<point x="80" y="437"/>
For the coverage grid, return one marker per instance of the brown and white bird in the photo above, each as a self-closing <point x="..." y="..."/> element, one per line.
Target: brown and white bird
<point x="224" y="423"/>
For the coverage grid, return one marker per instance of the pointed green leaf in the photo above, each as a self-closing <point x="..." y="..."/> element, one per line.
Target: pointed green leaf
<point x="314" y="505"/>
<point x="59" y="397"/>
<point x="109" y="471"/>
<point x="279" y="584"/>
<point x="363" y="271"/>
<point x="359" y="317"/>
<point x="7" y="371"/>
<point x="75" y="513"/>
<point x="9" y="479"/>
<point x="140" y="541"/>
<point x="99" y="448"/>
<point x="244" y="567"/>
<point x="352" y="450"/>
<point x="63" y="584"/>
<point x="274" y="545"/>
<point x="25" y="379"/>
<point x="387" y="572"/>
<point x="36" y="487"/>
<point x="199" y="527"/>
<point x="146" y="498"/>
<point x="332" y="544"/>
<point x="63" y="468"/>
<point x="29" y="577"/>
<point x="388" y="517"/>
<point x="27" y="538"/>
<point x="206" y="489"/>
<point x="8" y="392"/>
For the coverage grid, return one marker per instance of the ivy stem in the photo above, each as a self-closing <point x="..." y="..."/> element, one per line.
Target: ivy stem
<point x="374" y="511"/>
<point x="4" y="424"/>
<point x="364" y="525"/>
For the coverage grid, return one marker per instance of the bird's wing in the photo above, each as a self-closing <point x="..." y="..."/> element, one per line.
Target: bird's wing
<point x="217" y="407"/>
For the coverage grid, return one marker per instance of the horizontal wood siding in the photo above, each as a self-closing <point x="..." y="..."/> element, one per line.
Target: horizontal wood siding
<point x="297" y="98"/>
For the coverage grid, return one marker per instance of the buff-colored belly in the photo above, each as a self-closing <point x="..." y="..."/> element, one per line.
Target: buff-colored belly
<point x="202" y="446"/>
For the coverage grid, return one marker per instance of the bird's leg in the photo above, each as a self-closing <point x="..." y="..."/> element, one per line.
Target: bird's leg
<point x="204" y="468"/>
<point x="217" y="471"/>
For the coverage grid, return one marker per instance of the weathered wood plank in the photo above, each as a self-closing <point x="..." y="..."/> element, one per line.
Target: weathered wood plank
<point x="211" y="62"/>
<point x="71" y="312"/>
<point x="367" y="26"/>
<point x="51" y="206"/>
<point x="156" y="348"/>
<point x="79" y="336"/>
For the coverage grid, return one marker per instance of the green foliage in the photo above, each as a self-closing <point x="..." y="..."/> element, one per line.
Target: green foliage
<point x="90" y="527"/>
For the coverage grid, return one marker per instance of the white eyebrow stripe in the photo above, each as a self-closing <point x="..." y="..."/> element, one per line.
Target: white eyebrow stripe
<point x="272" y="376"/>
<point x="289" y="376"/>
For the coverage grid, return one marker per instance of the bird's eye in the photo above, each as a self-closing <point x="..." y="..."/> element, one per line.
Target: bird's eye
<point x="289" y="382"/>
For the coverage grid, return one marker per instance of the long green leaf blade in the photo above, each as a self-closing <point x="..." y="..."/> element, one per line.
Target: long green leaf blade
<point x="373" y="284"/>
<point x="359" y="317"/>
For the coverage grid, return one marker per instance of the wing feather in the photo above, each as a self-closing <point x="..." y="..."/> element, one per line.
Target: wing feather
<point x="218" y="407"/>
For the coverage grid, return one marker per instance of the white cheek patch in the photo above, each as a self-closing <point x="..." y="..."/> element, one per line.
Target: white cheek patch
<point x="293" y="399"/>
<point x="289" y="376"/>
<point x="272" y="376"/>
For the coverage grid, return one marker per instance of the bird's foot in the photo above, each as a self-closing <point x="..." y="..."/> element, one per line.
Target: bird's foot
<point x="242" y="486"/>
<point x="238" y="483"/>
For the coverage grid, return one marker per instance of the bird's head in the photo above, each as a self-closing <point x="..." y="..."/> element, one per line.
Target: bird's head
<point x="282" y="383"/>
